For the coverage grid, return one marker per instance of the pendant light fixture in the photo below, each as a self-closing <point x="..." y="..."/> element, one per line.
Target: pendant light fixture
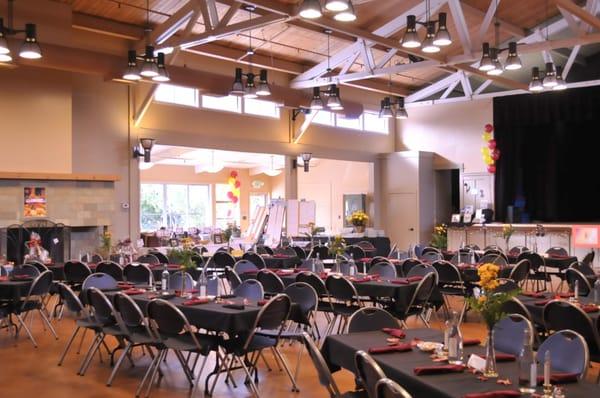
<point x="337" y="5"/>
<point x="334" y="101"/>
<point x="560" y="83"/>
<point x="535" y="85"/>
<point x="250" y="89"/>
<point x="490" y="57"/>
<point x="550" y="77"/>
<point x="433" y="39"/>
<point x="343" y="9"/>
<point x="390" y="108"/>
<point x="347" y="15"/>
<point x="152" y="66"/>
<point x="272" y="171"/>
<point x="513" y="62"/>
<point x="310" y="9"/>
<point x="30" y="49"/>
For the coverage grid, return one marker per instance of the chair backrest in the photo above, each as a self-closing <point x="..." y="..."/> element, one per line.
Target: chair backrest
<point x="91" y="258"/>
<point x="423" y="291"/>
<point x="41" y="284"/>
<point x="341" y="288"/>
<point x="167" y="321"/>
<point x="271" y="282"/>
<point x="464" y="256"/>
<point x="516" y="250"/>
<point x="494" y="258"/>
<point x="584" y="268"/>
<point x="161" y="257"/>
<point x="365" y="245"/>
<point x="148" y="259"/>
<point x="250" y="289"/>
<point x="111" y="268"/>
<point x="304" y="296"/>
<point x="387" y="388"/>
<point x="515" y="306"/>
<point x="323" y="372"/>
<point x="589" y="258"/>
<point x="222" y="259"/>
<point x="368" y="371"/>
<point x="300" y="253"/>
<point x="535" y="260"/>
<point x="357" y="252"/>
<point x="26" y="270"/>
<point x="520" y="271"/>
<point x="369" y="319"/>
<point x="407" y="265"/>
<point x="200" y="249"/>
<point x="255" y="259"/>
<point x="506" y="285"/>
<point x="232" y="277"/>
<point x="492" y="247"/>
<point x="430" y="249"/>
<point x="559" y="315"/>
<point x="320" y="250"/>
<point x="509" y="334"/>
<point x="384" y="269"/>
<point x="314" y="281"/>
<point x="70" y="299"/>
<point x="131" y="318"/>
<point x="431" y="256"/>
<point x="573" y="275"/>
<point x="244" y="266"/>
<point x="272" y="316"/>
<point x="137" y="273"/>
<point x="557" y="251"/>
<point x="421" y="270"/>
<point x="286" y="251"/>
<point x="447" y="272"/>
<point x="568" y="352"/>
<point x="472" y="247"/>
<point x="37" y="264"/>
<point x="104" y="312"/>
<point x="181" y="279"/>
<point x="262" y="249"/>
<point x="76" y="271"/>
<point x="100" y="281"/>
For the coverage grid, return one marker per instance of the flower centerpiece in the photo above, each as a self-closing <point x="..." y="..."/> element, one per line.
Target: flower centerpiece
<point x="359" y="220"/>
<point x="489" y="304"/>
<point x="105" y="244"/>
<point x="439" y="239"/>
<point x="507" y="231"/>
<point x="232" y="230"/>
<point x="312" y="232"/>
<point x="337" y="248"/>
<point x="183" y="255"/>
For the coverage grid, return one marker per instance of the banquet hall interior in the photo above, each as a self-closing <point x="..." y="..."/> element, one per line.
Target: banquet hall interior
<point x="299" y="198"/>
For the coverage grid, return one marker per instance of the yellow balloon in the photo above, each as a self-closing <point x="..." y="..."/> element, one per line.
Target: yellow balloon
<point x="487" y="136"/>
<point x="489" y="161"/>
<point x="231" y="181"/>
<point x="236" y="192"/>
<point x="484" y="150"/>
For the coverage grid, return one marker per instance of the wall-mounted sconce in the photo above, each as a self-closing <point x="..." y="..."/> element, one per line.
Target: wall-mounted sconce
<point x="306" y="156"/>
<point x="146" y="145"/>
<point x="298" y="111"/>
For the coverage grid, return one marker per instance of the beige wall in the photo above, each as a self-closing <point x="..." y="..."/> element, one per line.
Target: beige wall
<point x="453" y="131"/>
<point x="327" y="182"/>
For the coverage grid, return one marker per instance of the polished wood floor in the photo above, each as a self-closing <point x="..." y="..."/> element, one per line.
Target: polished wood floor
<point x="26" y="371"/>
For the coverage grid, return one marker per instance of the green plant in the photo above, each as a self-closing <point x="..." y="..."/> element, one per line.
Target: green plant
<point x="338" y="246"/>
<point x="313" y="230"/>
<point x="231" y="230"/>
<point x="182" y="256"/>
<point x="439" y="239"/>
<point x="359" y="218"/>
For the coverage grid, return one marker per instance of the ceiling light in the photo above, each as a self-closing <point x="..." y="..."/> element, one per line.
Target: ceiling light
<point x="334" y="101"/>
<point x="163" y="75"/>
<point x="146" y="144"/>
<point x="386" y="108"/>
<point x="410" y="38"/>
<point x="263" y="85"/>
<point x="347" y="15"/>
<point x="486" y="64"/>
<point x="442" y="36"/>
<point x="560" y="82"/>
<point x="535" y="85"/>
<point x="250" y="89"/>
<point x="306" y="157"/>
<point x="166" y="50"/>
<point x="3" y="43"/>
<point x="316" y="104"/>
<point x="30" y="48"/>
<point x="5" y="58"/>
<point x="238" y="85"/>
<point x="513" y="61"/>
<point x="550" y="78"/>
<point x="401" y="110"/>
<point x="272" y="171"/>
<point x="131" y="73"/>
<point x="149" y="67"/>
<point x="310" y="9"/>
<point x="427" y="46"/>
<point x="498" y="69"/>
<point x="337" y="5"/>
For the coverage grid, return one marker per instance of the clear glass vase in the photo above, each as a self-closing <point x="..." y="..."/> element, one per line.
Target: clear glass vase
<point x="490" y="356"/>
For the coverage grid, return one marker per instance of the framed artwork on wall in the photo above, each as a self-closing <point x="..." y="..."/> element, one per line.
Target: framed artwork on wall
<point x="352" y="203"/>
<point x="34" y="202"/>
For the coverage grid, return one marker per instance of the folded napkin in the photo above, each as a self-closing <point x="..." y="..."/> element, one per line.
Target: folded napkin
<point x="503" y="357"/>
<point x="365" y="260"/>
<point x="566" y="295"/>
<point x="560" y="378"/>
<point x="404" y="347"/>
<point x="260" y="303"/>
<point x="438" y="369"/>
<point x="173" y="266"/>
<point x="590" y="308"/>
<point x="558" y="256"/>
<point x="468" y="342"/>
<point x="197" y="301"/>
<point x="21" y="277"/>
<point x="494" y="394"/>
<point x="534" y="294"/>
<point x="542" y="302"/>
<point x="281" y="256"/>
<point x="414" y="278"/>
<point x="399" y="333"/>
<point x="361" y="279"/>
<point x="3" y="278"/>
<point x="134" y="291"/>
<point x="234" y="306"/>
<point x="400" y="281"/>
<point x="191" y="291"/>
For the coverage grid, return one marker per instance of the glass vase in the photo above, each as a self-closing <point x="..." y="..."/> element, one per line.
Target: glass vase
<point x="490" y="356"/>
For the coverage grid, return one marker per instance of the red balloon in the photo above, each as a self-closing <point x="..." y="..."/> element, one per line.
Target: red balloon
<point x="489" y="128"/>
<point x="491" y="169"/>
<point x="230" y="195"/>
<point x="492" y="144"/>
<point x="496" y="154"/>
<point x="238" y="184"/>
<point x="234" y="199"/>
<point x="233" y="174"/>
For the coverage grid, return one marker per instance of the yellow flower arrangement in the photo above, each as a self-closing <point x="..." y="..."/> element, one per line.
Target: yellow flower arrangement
<point x="187" y="243"/>
<point x="439" y="238"/>
<point x="359" y="218"/>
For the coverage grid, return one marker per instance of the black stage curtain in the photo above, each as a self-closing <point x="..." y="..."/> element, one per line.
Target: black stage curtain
<point x="549" y="163"/>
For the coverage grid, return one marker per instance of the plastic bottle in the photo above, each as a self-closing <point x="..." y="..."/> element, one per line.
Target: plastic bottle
<point x="351" y="266"/>
<point x="164" y="279"/>
<point x="202" y="282"/>
<point x="527" y="366"/>
<point x="455" y="342"/>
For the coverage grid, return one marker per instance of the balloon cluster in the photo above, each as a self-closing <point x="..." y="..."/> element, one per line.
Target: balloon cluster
<point x="489" y="152"/>
<point x="234" y="187"/>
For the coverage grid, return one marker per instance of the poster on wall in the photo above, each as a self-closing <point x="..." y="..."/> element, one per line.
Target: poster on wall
<point x="34" y="202"/>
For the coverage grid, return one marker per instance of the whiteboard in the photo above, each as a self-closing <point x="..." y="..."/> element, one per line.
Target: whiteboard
<point x="307" y="211"/>
<point x="292" y="214"/>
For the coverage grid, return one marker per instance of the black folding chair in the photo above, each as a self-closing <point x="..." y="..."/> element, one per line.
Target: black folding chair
<point x="539" y="276"/>
<point x="368" y="319"/>
<point x="75" y="273"/>
<point x="344" y="301"/>
<point x="387" y="388"/>
<point x="150" y="259"/>
<point x="271" y="282"/>
<point x="138" y="273"/>
<point x="419" y="301"/>
<point x="573" y="276"/>
<point x="110" y="268"/>
<point x="368" y="371"/>
<point x="255" y="259"/>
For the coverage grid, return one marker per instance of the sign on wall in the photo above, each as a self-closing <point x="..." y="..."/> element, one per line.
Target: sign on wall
<point x="34" y="204"/>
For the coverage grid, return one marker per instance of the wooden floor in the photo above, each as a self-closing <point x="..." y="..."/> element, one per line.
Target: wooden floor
<point x="26" y="371"/>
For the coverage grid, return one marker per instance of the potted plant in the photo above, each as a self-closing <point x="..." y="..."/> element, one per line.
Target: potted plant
<point x="312" y="232"/>
<point x="439" y="239"/>
<point x="105" y="244"/>
<point x="507" y="231"/>
<point x="359" y="220"/>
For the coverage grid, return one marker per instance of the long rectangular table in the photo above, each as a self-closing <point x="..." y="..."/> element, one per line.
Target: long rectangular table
<point x="537" y="311"/>
<point x="339" y="351"/>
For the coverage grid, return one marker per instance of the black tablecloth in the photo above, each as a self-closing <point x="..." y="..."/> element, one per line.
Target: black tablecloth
<point x="537" y="310"/>
<point x="13" y="291"/>
<point x="382" y="244"/>
<point x="339" y="351"/>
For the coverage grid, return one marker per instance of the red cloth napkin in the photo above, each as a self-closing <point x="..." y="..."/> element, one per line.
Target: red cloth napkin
<point x="542" y="302"/>
<point x="560" y="378"/>
<point x="590" y="308"/>
<point x="3" y="278"/>
<point x="414" y="278"/>
<point x="400" y="281"/>
<point x="399" y="333"/>
<point x="282" y="272"/>
<point x="361" y="279"/>
<point x="438" y="369"/>
<point x="260" y="303"/>
<point x="281" y="256"/>
<point x="494" y="394"/>
<point x="197" y="301"/>
<point x="534" y="294"/>
<point x="503" y="357"/>
<point x="134" y="291"/>
<point x="566" y="295"/>
<point x="468" y="342"/>
<point x="22" y="277"/>
<point x="192" y="291"/>
<point x="558" y="256"/>
<point x="404" y="347"/>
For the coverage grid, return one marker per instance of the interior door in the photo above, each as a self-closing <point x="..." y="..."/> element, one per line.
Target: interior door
<point x="402" y="223"/>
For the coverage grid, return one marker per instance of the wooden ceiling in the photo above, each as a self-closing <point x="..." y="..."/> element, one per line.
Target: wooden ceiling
<point x="306" y="45"/>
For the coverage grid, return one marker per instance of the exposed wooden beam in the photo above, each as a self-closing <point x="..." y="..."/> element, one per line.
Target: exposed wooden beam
<point x="499" y="80"/>
<point x="485" y="23"/>
<point x="505" y="26"/>
<point x="460" y="24"/>
<point x="231" y="11"/>
<point x="570" y="61"/>
<point x="299" y="133"/>
<point x="433" y="88"/>
<point x="482" y="87"/>
<point x="450" y="89"/>
<point x="579" y="12"/>
<point x="168" y="28"/>
<point x="466" y="84"/>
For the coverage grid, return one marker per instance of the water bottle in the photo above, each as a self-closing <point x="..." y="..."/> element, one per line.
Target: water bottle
<point x="202" y="282"/>
<point x="455" y="342"/>
<point x="351" y="266"/>
<point x="447" y="330"/>
<point x="575" y="290"/>
<point x="597" y="291"/>
<point x="472" y="257"/>
<point x="164" y="279"/>
<point x="410" y="251"/>
<point x="527" y="366"/>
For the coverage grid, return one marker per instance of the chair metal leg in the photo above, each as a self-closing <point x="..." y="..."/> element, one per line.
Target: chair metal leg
<point x="24" y="326"/>
<point x="155" y="360"/>
<point x="287" y="369"/>
<point x="47" y="321"/>
<point x="253" y="386"/>
<point x="64" y="353"/>
<point x="154" y="374"/>
<point x="91" y="357"/>
<point x="184" y="366"/>
<point x="222" y="367"/>
<point x="118" y="364"/>
<point x="81" y="341"/>
<point x="90" y="353"/>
